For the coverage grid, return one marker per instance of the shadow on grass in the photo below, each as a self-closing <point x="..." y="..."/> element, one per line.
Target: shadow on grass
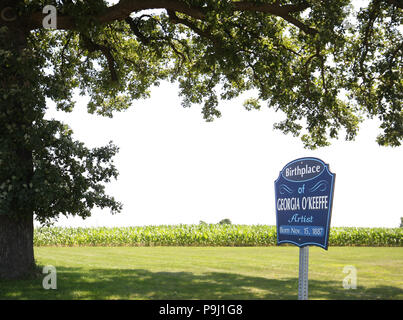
<point x="75" y="283"/>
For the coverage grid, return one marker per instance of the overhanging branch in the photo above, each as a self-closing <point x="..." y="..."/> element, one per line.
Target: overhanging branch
<point x="125" y="8"/>
<point x="106" y="51"/>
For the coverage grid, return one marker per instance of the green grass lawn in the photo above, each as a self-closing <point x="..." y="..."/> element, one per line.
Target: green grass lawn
<point x="210" y="273"/>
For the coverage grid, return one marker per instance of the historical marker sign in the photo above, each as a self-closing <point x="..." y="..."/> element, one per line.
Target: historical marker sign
<point x="304" y="196"/>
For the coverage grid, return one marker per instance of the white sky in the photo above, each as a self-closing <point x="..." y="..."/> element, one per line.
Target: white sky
<point x="176" y="168"/>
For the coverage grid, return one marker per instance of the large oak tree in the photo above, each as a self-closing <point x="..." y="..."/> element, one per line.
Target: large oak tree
<point x="324" y="65"/>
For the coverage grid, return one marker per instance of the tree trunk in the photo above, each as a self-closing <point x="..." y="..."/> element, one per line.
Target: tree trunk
<point x="16" y="247"/>
<point x="16" y="218"/>
<point x="17" y="227"/>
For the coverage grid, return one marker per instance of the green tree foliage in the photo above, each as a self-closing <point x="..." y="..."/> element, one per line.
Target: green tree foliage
<point x="225" y="221"/>
<point x="43" y="170"/>
<point x="301" y="57"/>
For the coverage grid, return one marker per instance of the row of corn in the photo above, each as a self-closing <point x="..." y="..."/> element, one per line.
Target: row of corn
<point x="203" y="235"/>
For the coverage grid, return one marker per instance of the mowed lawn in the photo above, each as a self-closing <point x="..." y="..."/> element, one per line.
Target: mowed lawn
<point x="211" y="273"/>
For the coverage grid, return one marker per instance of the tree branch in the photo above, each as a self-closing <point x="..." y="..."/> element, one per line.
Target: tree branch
<point x="175" y="19"/>
<point x="121" y="11"/>
<point x="397" y="3"/>
<point x="92" y="46"/>
<point x="135" y="29"/>
<point x="367" y="36"/>
<point x="124" y="8"/>
<point x="277" y="10"/>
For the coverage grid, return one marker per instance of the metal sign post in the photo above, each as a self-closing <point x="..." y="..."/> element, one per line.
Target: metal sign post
<point x="303" y="273"/>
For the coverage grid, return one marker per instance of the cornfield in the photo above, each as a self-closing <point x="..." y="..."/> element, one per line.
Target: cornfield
<point x="204" y="235"/>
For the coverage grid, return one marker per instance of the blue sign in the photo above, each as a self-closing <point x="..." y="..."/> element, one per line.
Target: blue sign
<point x="304" y="197"/>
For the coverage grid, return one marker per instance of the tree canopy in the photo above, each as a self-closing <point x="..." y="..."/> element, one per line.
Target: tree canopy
<point x="326" y="66"/>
